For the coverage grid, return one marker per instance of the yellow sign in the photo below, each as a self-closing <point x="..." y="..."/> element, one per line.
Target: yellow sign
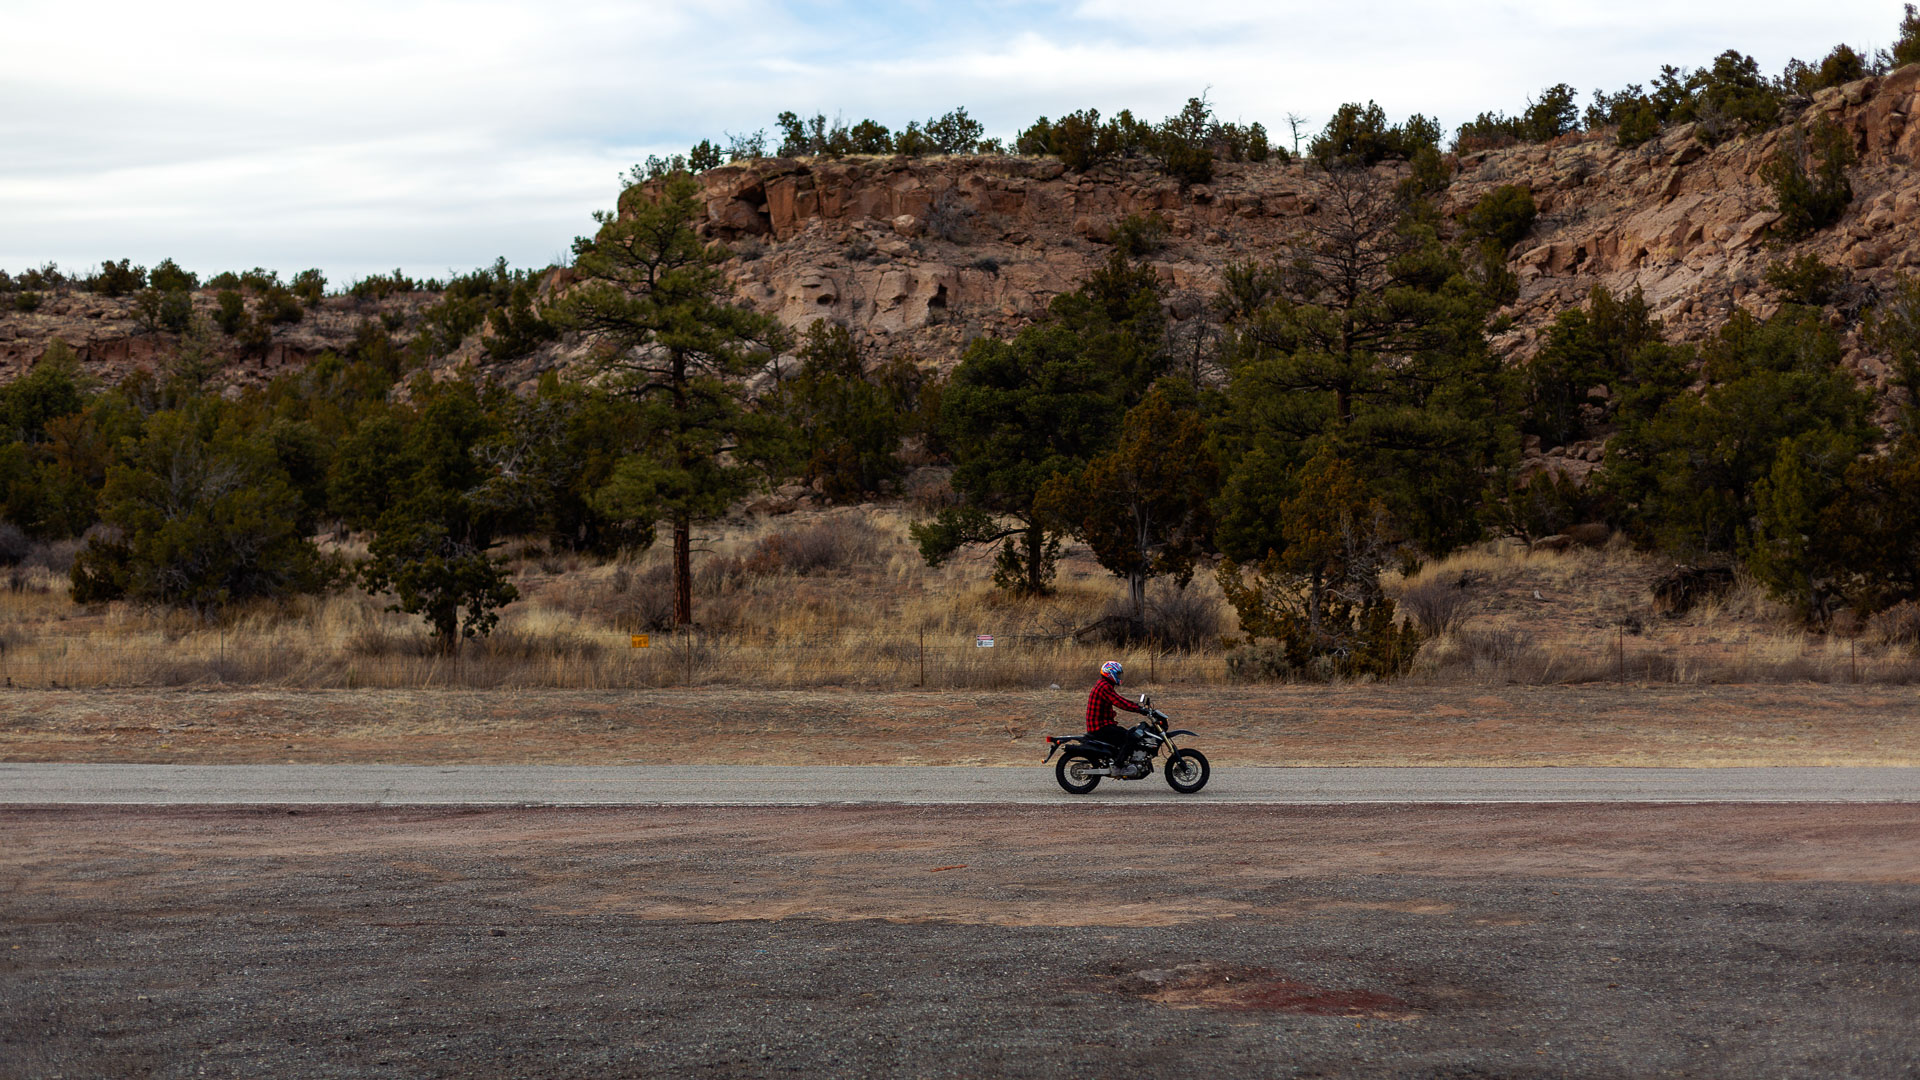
<point x="639" y="641"/>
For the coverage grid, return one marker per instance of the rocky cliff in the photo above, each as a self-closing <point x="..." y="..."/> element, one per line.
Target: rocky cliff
<point x="920" y="256"/>
<point x="923" y="255"/>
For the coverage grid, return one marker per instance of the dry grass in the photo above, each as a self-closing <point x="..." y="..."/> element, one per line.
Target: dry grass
<point x="1588" y="616"/>
<point x="838" y="598"/>
<point x="842" y="598"/>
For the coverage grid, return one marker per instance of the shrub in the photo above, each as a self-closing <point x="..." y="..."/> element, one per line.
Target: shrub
<point x="259" y="280"/>
<point x="118" y="278"/>
<point x="749" y="147"/>
<point x="310" y="286"/>
<point x="1437" y="607"/>
<point x="14" y="545"/>
<point x="1137" y="235"/>
<point x="1504" y="215"/>
<point x="1684" y="587"/>
<point x="1897" y="625"/>
<point x="704" y="155"/>
<point x="163" y="311"/>
<point x="381" y="286"/>
<point x="1841" y="66"/>
<point x="199" y="523"/>
<point x="1554" y="114"/>
<point x="45" y="277"/>
<point x="1807" y="198"/>
<point x="1730" y="96"/>
<point x="1081" y="140"/>
<point x="835" y="544"/>
<point x="26" y="302"/>
<point x="516" y="329"/>
<point x="1907" y="49"/>
<point x="955" y="132"/>
<point x="1804" y="279"/>
<point x="278" y="304"/>
<point x="1260" y="662"/>
<point x="1360" y="135"/>
<point x="949" y="217"/>
<point x="1181" y="618"/>
<point x="1638" y="126"/>
<point x="168" y="277"/>
<point x="1630" y="109"/>
<point x="230" y="311"/>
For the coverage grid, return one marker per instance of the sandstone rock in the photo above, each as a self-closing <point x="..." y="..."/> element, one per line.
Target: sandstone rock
<point x="1867" y="255"/>
<point x="1685" y="223"/>
<point x="908" y="225"/>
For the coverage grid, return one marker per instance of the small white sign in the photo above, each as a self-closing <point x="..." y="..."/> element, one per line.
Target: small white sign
<point x="984" y="641"/>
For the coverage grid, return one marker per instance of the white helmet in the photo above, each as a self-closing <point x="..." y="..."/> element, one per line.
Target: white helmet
<point x="1111" y="669"/>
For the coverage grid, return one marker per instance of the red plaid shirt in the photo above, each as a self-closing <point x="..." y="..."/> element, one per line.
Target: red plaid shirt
<point x="1102" y="701"/>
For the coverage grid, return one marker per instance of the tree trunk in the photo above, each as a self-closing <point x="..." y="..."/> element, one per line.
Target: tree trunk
<point x="1137" y="596"/>
<point x="1315" y="592"/>
<point x="1036" y="542"/>
<point x="682" y="521"/>
<point x="682" y="571"/>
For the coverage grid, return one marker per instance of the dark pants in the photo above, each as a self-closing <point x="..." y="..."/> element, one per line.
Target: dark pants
<point x="1116" y="736"/>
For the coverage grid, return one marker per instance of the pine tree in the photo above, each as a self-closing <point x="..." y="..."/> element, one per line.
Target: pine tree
<point x="653" y="301"/>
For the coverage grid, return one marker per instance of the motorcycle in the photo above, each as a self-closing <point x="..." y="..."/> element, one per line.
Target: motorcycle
<point x="1084" y="759"/>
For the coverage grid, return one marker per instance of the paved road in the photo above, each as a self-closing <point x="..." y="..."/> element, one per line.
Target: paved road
<point x="720" y="785"/>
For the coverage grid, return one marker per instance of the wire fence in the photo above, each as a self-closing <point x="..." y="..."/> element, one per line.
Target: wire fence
<point x="683" y="659"/>
<point x="664" y="660"/>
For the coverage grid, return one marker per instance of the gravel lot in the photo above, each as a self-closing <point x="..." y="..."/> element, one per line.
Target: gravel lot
<point x="1401" y="941"/>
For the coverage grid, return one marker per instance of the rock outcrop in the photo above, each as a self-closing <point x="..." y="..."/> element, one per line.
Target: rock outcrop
<point x="920" y="256"/>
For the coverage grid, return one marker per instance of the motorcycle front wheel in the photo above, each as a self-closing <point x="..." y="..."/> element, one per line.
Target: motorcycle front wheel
<point x="1073" y="770"/>
<point x="1187" y="771"/>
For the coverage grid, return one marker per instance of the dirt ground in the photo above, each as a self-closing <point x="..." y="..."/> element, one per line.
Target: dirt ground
<point x="1404" y="941"/>
<point x="1397" y="724"/>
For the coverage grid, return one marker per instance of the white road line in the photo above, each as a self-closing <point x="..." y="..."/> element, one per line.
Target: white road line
<point x="718" y="785"/>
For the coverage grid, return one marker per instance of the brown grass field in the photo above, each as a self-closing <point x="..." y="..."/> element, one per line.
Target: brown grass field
<point x="840" y="598"/>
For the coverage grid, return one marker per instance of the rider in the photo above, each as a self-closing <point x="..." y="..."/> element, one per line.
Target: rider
<point x="1101" y="701"/>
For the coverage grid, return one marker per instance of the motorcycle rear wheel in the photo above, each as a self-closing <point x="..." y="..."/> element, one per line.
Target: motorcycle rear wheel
<point x="1072" y="772"/>
<point x="1187" y="771"/>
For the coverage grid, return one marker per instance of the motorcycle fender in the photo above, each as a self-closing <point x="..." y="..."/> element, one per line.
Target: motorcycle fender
<point x="1058" y="744"/>
<point x="1183" y="731"/>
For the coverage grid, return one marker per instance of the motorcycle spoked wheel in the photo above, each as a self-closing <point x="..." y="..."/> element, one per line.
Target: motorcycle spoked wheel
<point x="1187" y="771"/>
<point x="1072" y="772"/>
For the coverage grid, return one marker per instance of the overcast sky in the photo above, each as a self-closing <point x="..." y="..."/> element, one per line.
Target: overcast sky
<point x="432" y="135"/>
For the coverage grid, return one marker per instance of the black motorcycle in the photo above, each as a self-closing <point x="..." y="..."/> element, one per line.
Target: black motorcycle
<point x="1085" y="759"/>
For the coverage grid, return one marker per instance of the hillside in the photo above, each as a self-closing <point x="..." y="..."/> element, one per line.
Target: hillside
<point x="919" y="256"/>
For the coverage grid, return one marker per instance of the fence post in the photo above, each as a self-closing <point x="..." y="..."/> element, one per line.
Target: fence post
<point x="923" y="658"/>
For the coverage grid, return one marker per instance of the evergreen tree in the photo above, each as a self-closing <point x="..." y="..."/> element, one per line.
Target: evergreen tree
<point x="1368" y="336"/>
<point x="652" y="300"/>
<point x="1014" y="414"/>
<point x="1686" y="473"/>
<point x="1143" y="506"/>
<point x="204" y="517"/>
<point x="845" y="423"/>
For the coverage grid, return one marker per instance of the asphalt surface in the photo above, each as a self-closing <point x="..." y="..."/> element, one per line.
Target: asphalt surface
<point x="1612" y="942"/>
<point x="720" y="785"/>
